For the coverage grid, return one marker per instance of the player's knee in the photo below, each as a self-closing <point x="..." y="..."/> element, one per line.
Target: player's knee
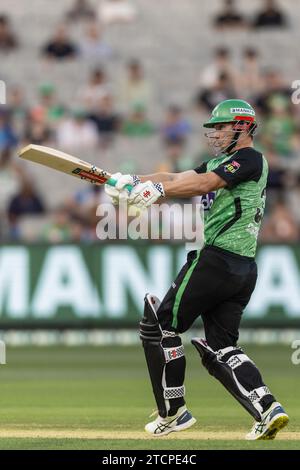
<point x="233" y="356"/>
<point x="208" y="356"/>
<point x="181" y="329"/>
<point x="210" y="362"/>
<point x="150" y="330"/>
<point x="213" y="360"/>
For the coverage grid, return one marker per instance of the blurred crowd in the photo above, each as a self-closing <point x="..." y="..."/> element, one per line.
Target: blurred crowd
<point x="107" y="108"/>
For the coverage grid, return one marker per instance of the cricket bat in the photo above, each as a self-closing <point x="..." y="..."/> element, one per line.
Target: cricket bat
<point x="66" y="163"/>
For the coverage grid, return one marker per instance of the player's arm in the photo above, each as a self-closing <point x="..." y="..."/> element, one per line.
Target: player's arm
<point x="187" y="184"/>
<point x="190" y="183"/>
<point x="159" y="177"/>
<point x="163" y="177"/>
<point x="243" y="166"/>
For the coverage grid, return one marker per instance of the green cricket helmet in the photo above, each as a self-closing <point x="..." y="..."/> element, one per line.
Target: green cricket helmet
<point x="231" y="111"/>
<point x="238" y="112"/>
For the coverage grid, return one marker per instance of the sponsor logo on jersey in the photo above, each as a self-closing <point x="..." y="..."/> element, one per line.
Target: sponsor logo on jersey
<point x="242" y="111"/>
<point x="231" y="167"/>
<point x="207" y="200"/>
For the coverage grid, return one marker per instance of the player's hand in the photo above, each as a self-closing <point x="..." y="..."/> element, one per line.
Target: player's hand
<point x="119" y="192"/>
<point x="145" y="194"/>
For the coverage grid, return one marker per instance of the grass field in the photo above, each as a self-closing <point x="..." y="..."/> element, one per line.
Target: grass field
<point x="100" y="398"/>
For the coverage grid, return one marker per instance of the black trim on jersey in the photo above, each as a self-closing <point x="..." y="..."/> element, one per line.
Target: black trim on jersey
<point x="237" y="216"/>
<point x="244" y="165"/>
<point x="202" y="168"/>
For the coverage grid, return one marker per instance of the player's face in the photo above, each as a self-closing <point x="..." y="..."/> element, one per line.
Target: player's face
<point x="223" y="134"/>
<point x="220" y="137"/>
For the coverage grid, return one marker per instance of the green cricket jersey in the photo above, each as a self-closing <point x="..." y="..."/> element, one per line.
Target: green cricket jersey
<point x="233" y="214"/>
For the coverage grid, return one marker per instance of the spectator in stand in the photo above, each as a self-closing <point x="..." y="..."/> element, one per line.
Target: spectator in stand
<point x="296" y="143"/>
<point x="280" y="226"/>
<point x="279" y="127"/>
<point x="11" y="175"/>
<point x="175" y="125"/>
<point x="81" y="10"/>
<point x="221" y="64"/>
<point x="60" y="47"/>
<point x="49" y="103"/>
<point x="92" y="46"/>
<point x="26" y="202"/>
<point x="37" y="130"/>
<point x="137" y="124"/>
<point x="250" y="81"/>
<point x="8" y="40"/>
<point x="221" y="90"/>
<point x="96" y="88"/>
<point x="277" y="176"/>
<point x="8" y="138"/>
<point x="106" y="120"/>
<point x="78" y="232"/>
<point x="82" y="208"/>
<point x="274" y="86"/>
<point x="84" y="199"/>
<point x="229" y="17"/>
<point x="76" y="133"/>
<point x="117" y="11"/>
<point x="18" y="108"/>
<point x="270" y="17"/>
<point x="293" y="196"/>
<point x="135" y="87"/>
<point x="176" y="159"/>
<point x="58" y="230"/>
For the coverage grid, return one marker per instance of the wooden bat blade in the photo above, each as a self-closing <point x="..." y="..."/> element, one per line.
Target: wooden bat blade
<point x="61" y="161"/>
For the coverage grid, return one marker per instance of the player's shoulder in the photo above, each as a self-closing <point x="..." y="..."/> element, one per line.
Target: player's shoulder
<point x="244" y="165"/>
<point x="249" y="152"/>
<point x="251" y="158"/>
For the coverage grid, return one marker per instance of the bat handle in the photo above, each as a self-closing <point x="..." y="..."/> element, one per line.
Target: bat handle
<point x="113" y="182"/>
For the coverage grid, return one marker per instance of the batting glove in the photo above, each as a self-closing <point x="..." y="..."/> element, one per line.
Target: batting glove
<point x="145" y="194"/>
<point x="119" y="192"/>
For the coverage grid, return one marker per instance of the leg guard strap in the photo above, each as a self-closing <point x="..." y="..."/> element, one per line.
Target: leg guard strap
<point x="174" y="392"/>
<point x="258" y="393"/>
<point x="173" y="353"/>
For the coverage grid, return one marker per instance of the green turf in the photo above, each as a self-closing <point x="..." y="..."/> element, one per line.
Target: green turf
<point x="110" y="445"/>
<point x="108" y="389"/>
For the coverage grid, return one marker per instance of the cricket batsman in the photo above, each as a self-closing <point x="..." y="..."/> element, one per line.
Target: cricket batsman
<point x="216" y="282"/>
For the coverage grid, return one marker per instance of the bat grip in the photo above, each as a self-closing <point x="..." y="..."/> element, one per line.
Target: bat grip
<point x="113" y="182"/>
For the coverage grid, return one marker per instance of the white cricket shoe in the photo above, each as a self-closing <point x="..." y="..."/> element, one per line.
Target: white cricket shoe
<point x="273" y="420"/>
<point x="162" y="426"/>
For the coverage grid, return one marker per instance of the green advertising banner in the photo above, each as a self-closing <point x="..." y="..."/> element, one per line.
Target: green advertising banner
<point x="103" y="285"/>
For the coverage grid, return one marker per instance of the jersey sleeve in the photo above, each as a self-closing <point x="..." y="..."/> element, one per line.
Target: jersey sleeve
<point x="245" y="165"/>
<point x="202" y="168"/>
